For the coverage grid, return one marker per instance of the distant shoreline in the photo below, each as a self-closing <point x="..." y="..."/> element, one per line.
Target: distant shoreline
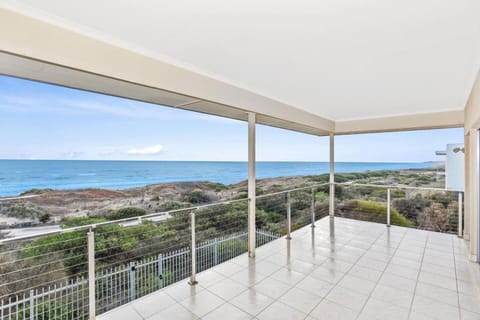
<point x="18" y="176"/>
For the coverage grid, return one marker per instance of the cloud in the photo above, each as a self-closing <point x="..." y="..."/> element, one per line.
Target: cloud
<point x="156" y="149"/>
<point x="71" y="154"/>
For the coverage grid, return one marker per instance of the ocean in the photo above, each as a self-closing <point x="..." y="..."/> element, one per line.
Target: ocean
<point x="17" y="176"/>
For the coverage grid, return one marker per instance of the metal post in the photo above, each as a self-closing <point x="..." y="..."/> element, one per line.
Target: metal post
<point x="460" y="215"/>
<point x="160" y="271"/>
<point x="331" y="207"/>
<point x="193" y="251"/>
<point x="32" y="305"/>
<point x="289" y="216"/>
<point x="388" y="207"/>
<point x="91" y="274"/>
<point x="313" y="208"/>
<point x="215" y="252"/>
<point x="133" y="293"/>
<point x="251" y="185"/>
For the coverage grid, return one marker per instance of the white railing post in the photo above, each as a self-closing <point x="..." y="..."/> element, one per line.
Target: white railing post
<point x="91" y="274"/>
<point x="160" y="271"/>
<point x="215" y="251"/>
<point x="289" y="216"/>
<point x="388" y="207"/>
<point x="313" y="208"/>
<point x="132" y="281"/>
<point x="460" y="215"/>
<point x="32" y="305"/>
<point x="193" y="250"/>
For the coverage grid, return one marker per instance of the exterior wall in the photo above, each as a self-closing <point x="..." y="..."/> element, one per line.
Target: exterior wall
<point x="455" y="167"/>
<point x="472" y="174"/>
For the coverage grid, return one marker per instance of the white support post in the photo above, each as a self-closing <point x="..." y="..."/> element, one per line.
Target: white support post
<point x="313" y="208"/>
<point x="251" y="185"/>
<point x="460" y="215"/>
<point x="193" y="251"/>
<point x="91" y="274"/>
<point x="331" y="208"/>
<point x="289" y="216"/>
<point x="388" y="207"/>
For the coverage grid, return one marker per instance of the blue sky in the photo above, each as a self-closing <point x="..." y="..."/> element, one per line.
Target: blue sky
<point x="41" y="121"/>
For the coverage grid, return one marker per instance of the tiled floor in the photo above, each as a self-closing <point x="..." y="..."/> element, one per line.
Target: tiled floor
<point x="344" y="269"/>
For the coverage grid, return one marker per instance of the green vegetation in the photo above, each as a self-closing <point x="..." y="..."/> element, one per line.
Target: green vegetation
<point x="124" y="213"/>
<point x="23" y="211"/>
<point x="371" y="211"/>
<point x="115" y="244"/>
<point x="44" y="218"/>
<point x="197" y="196"/>
<point x="80" y="221"/>
<point x="216" y="186"/>
<point x="35" y="191"/>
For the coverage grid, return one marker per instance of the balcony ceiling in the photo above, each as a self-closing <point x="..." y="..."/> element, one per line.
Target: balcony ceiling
<point x="338" y="59"/>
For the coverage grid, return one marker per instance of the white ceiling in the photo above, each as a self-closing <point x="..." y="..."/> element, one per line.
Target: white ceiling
<point x="339" y="59"/>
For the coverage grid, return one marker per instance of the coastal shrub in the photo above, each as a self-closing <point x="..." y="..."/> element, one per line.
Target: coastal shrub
<point x="44" y="218"/>
<point x="300" y="200"/>
<point x="239" y="195"/>
<point x="35" y="191"/>
<point x="411" y="207"/>
<point x="321" y="196"/>
<point x="323" y="178"/>
<point x="173" y="205"/>
<point x="197" y="196"/>
<point x="371" y="211"/>
<point x="444" y="198"/>
<point x="19" y="273"/>
<point x="123" y="213"/>
<point x="24" y="211"/>
<point x="216" y="186"/>
<point x="80" y="221"/>
<point x="437" y="218"/>
<point x="113" y="244"/>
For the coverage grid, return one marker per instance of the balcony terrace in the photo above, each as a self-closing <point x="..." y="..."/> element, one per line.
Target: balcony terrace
<point x="321" y="68"/>
<point x="342" y="269"/>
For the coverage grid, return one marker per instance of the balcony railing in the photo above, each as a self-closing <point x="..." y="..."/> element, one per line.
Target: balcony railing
<point x="79" y="272"/>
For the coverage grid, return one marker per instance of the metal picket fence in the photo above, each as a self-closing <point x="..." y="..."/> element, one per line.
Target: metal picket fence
<point x="123" y="283"/>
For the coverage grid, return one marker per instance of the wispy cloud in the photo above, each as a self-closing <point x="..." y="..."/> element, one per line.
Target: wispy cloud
<point x="156" y="149"/>
<point x="71" y="155"/>
<point x="101" y="105"/>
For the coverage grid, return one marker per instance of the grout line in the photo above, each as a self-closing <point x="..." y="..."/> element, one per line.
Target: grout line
<point x="418" y="276"/>
<point x="384" y="269"/>
<point x="336" y="284"/>
<point x="456" y="281"/>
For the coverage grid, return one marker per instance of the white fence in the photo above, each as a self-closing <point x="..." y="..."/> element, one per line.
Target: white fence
<point x="123" y="283"/>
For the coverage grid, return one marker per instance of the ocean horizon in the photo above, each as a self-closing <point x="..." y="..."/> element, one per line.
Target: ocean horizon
<point x="17" y="176"/>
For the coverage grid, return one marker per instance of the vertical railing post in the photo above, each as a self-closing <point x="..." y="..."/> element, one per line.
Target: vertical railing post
<point x="460" y="215"/>
<point x="331" y="195"/>
<point x="91" y="274"/>
<point x="160" y="271"/>
<point x="32" y="305"/>
<point x="252" y="193"/>
<point x="193" y="250"/>
<point x="388" y="207"/>
<point x="215" y="252"/>
<point x="313" y="208"/>
<point x="133" y="293"/>
<point x="289" y="216"/>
